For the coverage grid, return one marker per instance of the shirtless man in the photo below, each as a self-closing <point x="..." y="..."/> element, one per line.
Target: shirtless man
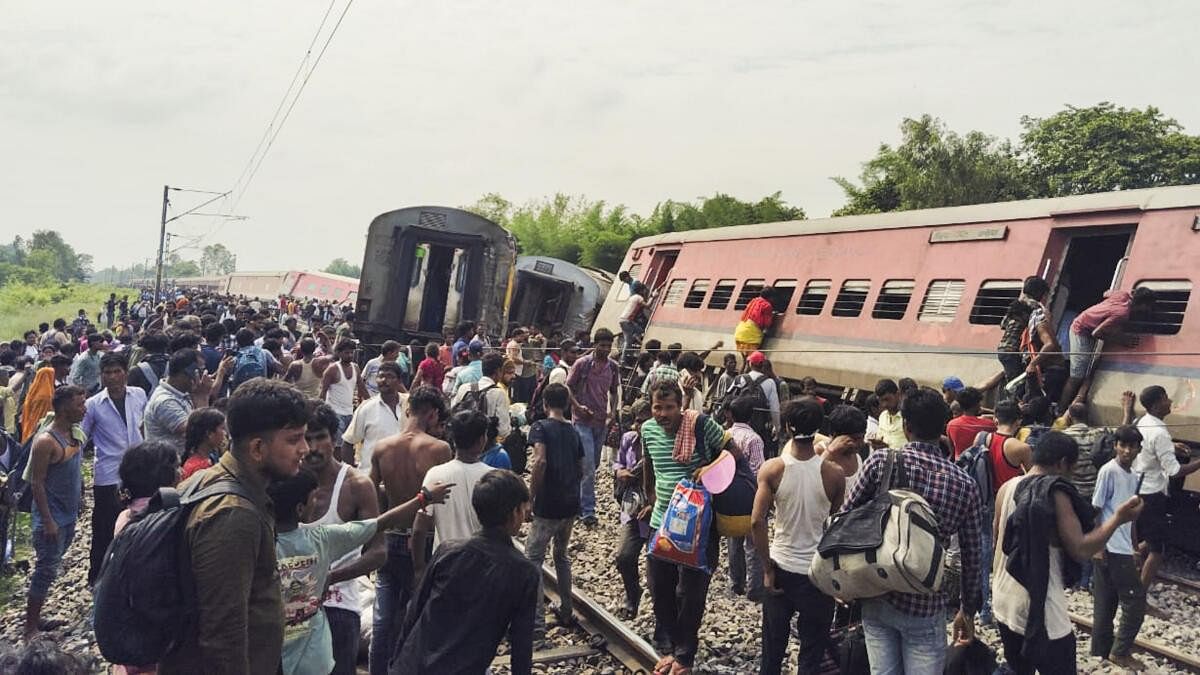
<point x="306" y="371"/>
<point x="343" y="494"/>
<point x="398" y="464"/>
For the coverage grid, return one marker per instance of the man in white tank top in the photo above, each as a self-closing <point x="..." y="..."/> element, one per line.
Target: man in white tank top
<point x="804" y="489"/>
<point x="343" y="494"/>
<point x="339" y="383"/>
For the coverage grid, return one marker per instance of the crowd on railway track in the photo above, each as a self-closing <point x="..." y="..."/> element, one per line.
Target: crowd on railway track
<point x="264" y="499"/>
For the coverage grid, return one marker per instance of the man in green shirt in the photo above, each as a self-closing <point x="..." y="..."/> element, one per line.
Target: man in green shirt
<point x="679" y="593"/>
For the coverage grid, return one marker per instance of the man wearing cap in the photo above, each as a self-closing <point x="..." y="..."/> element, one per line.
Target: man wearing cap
<point x="758" y="363"/>
<point x="951" y="386"/>
<point x="474" y="369"/>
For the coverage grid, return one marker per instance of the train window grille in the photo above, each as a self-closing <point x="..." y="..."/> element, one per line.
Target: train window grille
<point x="750" y="290"/>
<point x="785" y="290"/>
<point x="893" y="299"/>
<point x="431" y="219"/>
<point x="941" y="300"/>
<point x="812" y="300"/>
<point x="674" y="292"/>
<point x="993" y="299"/>
<point x="695" y="297"/>
<point x="722" y="294"/>
<point x="851" y="298"/>
<point x="1170" y="303"/>
<point x="622" y="288"/>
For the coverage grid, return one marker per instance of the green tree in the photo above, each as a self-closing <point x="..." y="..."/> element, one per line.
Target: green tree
<point x="216" y="259"/>
<point x="1105" y="147"/>
<point x="343" y="267"/>
<point x="56" y="256"/>
<point x="932" y="167"/>
<point x="175" y="267"/>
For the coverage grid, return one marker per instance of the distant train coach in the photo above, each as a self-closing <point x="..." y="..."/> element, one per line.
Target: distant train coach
<point x="922" y="293"/>
<point x="428" y="268"/>
<point x="555" y="295"/>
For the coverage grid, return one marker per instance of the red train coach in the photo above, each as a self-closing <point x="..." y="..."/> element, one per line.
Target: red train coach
<point x="921" y="293"/>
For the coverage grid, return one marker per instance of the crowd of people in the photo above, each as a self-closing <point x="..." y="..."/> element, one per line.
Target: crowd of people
<point x="395" y="487"/>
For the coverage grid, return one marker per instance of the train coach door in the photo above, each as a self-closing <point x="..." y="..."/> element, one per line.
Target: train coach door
<point x="1092" y="261"/>
<point x="661" y="263"/>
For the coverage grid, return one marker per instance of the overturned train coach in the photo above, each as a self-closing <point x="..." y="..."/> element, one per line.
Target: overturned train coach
<point x="427" y="268"/>
<point x="922" y="293"/>
<point x="555" y="295"/>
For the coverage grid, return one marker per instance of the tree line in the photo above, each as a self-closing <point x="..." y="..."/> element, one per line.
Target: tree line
<point x="1074" y="151"/>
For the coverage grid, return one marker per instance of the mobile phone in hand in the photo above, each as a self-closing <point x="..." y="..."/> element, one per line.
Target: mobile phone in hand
<point x="1141" y="477"/>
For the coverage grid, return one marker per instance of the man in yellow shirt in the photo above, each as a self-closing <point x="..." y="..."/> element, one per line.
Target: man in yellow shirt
<point x="891" y="424"/>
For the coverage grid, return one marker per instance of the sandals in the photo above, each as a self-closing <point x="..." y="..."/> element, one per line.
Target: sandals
<point x="677" y="669"/>
<point x="665" y="665"/>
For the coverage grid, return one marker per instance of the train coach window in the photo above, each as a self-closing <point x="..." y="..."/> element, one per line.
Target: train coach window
<point x="812" y="300"/>
<point x="784" y="290"/>
<point x="893" y="299"/>
<point x="991" y="304"/>
<point x="941" y="300"/>
<point x="852" y="297"/>
<point x="750" y="290"/>
<point x="1170" y="302"/>
<point x="623" y="289"/>
<point x="695" y="297"/>
<point x="722" y="294"/>
<point x="674" y="292"/>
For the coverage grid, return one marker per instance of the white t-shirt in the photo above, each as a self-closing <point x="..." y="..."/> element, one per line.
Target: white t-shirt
<point x="1115" y="485"/>
<point x="632" y="305"/>
<point x="374" y="421"/>
<point x="455" y="518"/>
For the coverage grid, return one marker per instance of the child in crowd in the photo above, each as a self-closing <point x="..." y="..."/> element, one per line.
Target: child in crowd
<point x="206" y="439"/>
<point x="305" y="554"/>
<point x="144" y="469"/>
<point x="627" y="471"/>
<point x="1116" y="577"/>
<point x="495" y="456"/>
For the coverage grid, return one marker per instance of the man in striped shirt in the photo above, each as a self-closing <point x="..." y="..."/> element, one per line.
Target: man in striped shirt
<point x="906" y="632"/>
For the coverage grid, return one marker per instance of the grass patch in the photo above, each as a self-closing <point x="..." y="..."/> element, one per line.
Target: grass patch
<point x="24" y="306"/>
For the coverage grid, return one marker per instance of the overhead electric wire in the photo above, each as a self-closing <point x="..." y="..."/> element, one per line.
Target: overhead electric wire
<point x="292" y="106"/>
<point x="287" y="92"/>
<point x="275" y="124"/>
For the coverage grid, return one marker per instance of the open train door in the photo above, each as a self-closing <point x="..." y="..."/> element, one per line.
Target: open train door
<point x="1081" y="264"/>
<point x="662" y="261"/>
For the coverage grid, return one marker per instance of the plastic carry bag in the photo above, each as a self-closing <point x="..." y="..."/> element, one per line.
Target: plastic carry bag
<point x="683" y="537"/>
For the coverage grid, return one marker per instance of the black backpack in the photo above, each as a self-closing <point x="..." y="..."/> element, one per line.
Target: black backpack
<point x="14" y="489"/>
<point x="145" y="597"/>
<point x="1104" y="448"/>
<point x="744" y="385"/>
<point x="473" y="399"/>
<point x="535" y="410"/>
<point x="977" y="462"/>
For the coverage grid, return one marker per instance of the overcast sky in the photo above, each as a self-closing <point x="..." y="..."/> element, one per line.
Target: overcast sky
<point x="101" y="103"/>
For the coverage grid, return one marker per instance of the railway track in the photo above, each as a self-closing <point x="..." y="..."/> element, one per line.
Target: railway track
<point x="1187" y="661"/>
<point x="1191" y="586"/>
<point x="608" y="634"/>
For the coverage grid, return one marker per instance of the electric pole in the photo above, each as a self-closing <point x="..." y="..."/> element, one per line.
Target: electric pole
<point x="162" y="240"/>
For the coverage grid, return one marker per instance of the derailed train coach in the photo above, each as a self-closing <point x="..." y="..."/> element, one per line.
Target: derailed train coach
<point x="428" y="268"/>
<point x="554" y="295"/>
<point x="922" y="293"/>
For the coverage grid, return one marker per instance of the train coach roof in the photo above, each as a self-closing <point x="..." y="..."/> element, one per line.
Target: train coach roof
<point x="1145" y="200"/>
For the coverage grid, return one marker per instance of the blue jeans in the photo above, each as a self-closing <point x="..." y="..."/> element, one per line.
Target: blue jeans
<point x="592" y="439"/>
<point x="49" y="557"/>
<point x="986" y="551"/>
<point x="901" y="643"/>
<point x="394" y="585"/>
